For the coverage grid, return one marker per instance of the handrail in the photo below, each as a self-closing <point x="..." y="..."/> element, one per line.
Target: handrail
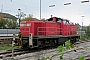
<point x="55" y="30"/>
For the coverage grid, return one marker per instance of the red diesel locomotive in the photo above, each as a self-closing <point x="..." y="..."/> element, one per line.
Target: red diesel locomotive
<point x="50" y="32"/>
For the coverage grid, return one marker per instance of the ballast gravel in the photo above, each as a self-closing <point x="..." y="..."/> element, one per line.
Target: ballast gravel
<point x="67" y="56"/>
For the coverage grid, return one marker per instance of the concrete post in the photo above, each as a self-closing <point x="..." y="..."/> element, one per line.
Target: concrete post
<point x="13" y="45"/>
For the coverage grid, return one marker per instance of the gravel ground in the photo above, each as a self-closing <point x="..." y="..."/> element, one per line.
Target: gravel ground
<point x="67" y="56"/>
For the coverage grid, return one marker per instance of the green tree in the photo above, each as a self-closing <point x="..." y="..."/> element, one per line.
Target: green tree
<point x="3" y="22"/>
<point x="88" y="31"/>
<point x="29" y="17"/>
<point x="10" y="24"/>
<point x="14" y="25"/>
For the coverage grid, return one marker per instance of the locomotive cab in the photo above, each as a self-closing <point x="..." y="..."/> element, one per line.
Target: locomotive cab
<point x="55" y="19"/>
<point x="65" y="26"/>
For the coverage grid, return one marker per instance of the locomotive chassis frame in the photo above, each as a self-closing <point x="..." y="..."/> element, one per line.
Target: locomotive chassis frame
<point x="42" y="41"/>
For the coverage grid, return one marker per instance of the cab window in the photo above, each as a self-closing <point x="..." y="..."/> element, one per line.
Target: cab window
<point x="65" y="22"/>
<point x="59" y="20"/>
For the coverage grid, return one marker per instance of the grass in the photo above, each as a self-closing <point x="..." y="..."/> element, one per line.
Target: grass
<point x="7" y="47"/>
<point x="84" y="36"/>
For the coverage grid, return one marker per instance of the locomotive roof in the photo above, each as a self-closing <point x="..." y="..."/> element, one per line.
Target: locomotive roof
<point x="65" y="19"/>
<point x="47" y="20"/>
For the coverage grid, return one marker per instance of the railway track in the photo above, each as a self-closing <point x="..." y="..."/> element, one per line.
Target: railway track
<point x="87" y="57"/>
<point x="23" y="51"/>
<point x="26" y="51"/>
<point x="82" y="41"/>
<point x="9" y="52"/>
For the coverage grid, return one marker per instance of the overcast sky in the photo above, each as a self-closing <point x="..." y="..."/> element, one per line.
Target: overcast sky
<point x="71" y="12"/>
